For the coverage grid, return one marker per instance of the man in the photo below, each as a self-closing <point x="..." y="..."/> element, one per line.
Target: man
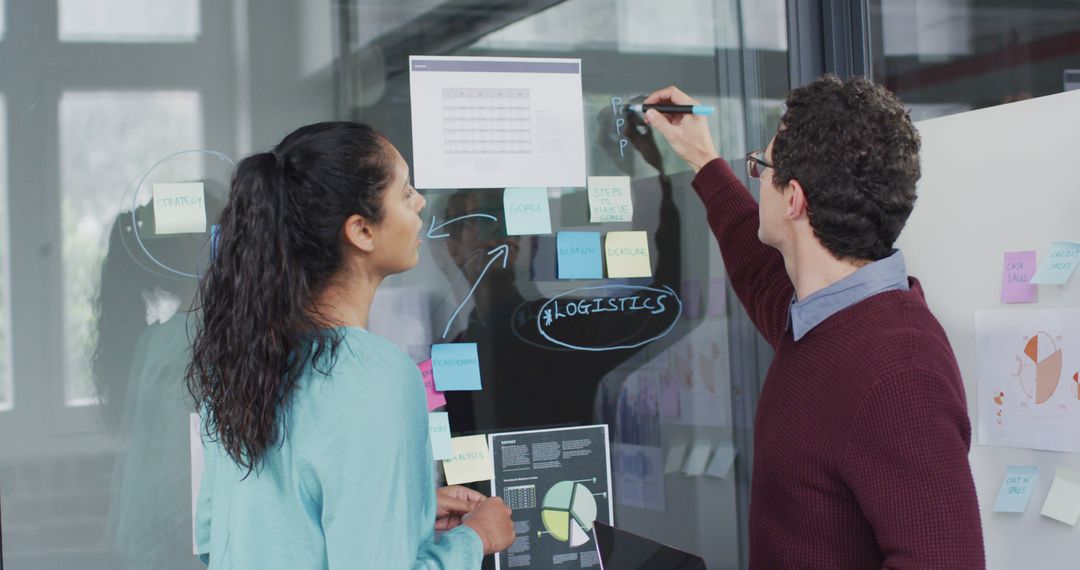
<point x="862" y="434"/>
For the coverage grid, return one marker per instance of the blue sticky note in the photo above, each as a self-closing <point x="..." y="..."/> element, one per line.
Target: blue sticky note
<point x="439" y="426"/>
<point x="1016" y="489"/>
<point x="1058" y="265"/>
<point x="456" y="366"/>
<point x="580" y="256"/>
<point x="527" y="211"/>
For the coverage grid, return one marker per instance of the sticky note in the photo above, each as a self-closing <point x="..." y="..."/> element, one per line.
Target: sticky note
<point x="1063" y="500"/>
<point x="455" y="366"/>
<point x="435" y="398"/>
<point x="691" y="298"/>
<point x="470" y="461"/>
<point x="439" y="428"/>
<point x="628" y="254"/>
<point x="579" y="255"/>
<point x="698" y="459"/>
<point x="1016" y="274"/>
<point x="717" y="297"/>
<point x="609" y="199"/>
<point x="1016" y="488"/>
<point x="722" y="461"/>
<point x="179" y="208"/>
<point x="675" y="458"/>
<point x="526" y="211"/>
<point x="1059" y="264"/>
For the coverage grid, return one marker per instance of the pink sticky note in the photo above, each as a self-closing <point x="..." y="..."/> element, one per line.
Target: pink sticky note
<point x="435" y="398"/>
<point x="691" y="291"/>
<point x="669" y="395"/>
<point x="717" y="297"/>
<point x="1016" y="286"/>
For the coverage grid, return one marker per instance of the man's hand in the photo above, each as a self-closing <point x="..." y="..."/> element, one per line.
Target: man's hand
<point x="452" y="503"/>
<point x="688" y="134"/>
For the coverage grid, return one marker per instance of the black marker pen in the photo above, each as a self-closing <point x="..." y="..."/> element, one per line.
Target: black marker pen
<point x="684" y="109"/>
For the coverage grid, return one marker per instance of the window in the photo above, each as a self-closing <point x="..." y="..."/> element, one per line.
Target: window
<point x="107" y="140"/>
<point x="115" y="21"/>
<point x="945" y="57"/>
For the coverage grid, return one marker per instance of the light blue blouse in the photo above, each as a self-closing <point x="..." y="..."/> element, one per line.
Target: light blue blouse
<point x="350" y="486"/>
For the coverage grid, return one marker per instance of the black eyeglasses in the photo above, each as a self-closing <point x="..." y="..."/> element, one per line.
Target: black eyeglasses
<point x="755" y="164"/>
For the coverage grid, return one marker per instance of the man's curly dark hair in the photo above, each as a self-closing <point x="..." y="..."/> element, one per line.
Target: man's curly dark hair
<point x="853" y="148"/>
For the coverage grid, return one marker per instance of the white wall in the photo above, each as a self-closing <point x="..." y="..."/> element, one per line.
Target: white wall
<point x="996" y="180"/>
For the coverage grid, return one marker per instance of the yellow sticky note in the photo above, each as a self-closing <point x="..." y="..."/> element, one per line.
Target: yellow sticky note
<point x="609" y="199"/>
<point x="1063" y="500"/>
<point x="628" y="254"/>
<point x="470" y="460"/>
<point x="179" y="208"/>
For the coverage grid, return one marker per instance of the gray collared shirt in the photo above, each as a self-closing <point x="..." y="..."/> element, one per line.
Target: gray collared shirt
<point x="888" y="274"/>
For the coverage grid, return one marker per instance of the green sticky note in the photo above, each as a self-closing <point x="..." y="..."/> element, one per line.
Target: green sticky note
<point x="179" y="208"/>
<point x="527" y="211"/>
<point x="628" y="254"/>
<point x="609" y="199"/>
<point x="1058" y="265"/>
<point x="469" y="461"/>
<point x="439" y="428"/>
<point x="1016" y="489"/>
<point x="1063" y="500"/>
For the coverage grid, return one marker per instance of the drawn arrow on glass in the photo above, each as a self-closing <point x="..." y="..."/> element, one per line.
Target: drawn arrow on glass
<point x="435" y="228"/>
<point x="502" y="251"/>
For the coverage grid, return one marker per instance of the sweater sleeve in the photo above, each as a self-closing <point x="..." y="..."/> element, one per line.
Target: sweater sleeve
<point x="906" y="462"/>
<point x="756" y="270"/>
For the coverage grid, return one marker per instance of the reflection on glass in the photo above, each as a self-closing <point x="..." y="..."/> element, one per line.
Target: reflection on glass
<point x="160" y="21"/>
<point x="7" y="389"/>
<point x="727" y="53"/>
<point x="949" y="56"/>
<point x="2" y="24"/>
<point x="107" y="139"/>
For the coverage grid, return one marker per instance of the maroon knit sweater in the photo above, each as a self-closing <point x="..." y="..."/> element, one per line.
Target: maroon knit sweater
<point x="861" y="436"/>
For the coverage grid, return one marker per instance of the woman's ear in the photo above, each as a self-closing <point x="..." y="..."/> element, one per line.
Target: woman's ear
<point x="359" y="233"/>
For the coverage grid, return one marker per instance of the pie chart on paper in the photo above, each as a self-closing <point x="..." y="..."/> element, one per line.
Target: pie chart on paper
<point x="1042" y="353"/>
<point x="568" y="512"/>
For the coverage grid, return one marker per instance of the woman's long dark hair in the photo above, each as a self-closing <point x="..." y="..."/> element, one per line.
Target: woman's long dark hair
<point x="279" y="246"/>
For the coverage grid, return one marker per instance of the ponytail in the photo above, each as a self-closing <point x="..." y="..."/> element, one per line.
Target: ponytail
<point x="279" y="245"/>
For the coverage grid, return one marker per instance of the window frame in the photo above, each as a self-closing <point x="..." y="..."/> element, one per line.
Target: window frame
<point x="43" y="68"/>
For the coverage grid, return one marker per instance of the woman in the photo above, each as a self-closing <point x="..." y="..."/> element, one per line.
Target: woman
<point x="317" y="434"/>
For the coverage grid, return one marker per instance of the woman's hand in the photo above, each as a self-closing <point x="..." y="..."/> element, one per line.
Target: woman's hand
<point x="452" y="503"/>
<point x="491" y="522"/>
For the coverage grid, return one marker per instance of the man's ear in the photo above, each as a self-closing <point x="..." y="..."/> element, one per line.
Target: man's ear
<point x="359" y="232"/>
<point x="795" y="200"/>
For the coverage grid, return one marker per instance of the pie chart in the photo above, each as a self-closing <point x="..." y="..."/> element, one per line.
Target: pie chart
<point x="1042" y="359"/>
<point x="568" y="512"/>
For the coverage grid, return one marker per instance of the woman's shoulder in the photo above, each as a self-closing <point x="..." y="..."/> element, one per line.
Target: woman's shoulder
<point x="363" y="365"/>
<point x="368" y="350"/>
<point x="367" y="381"/>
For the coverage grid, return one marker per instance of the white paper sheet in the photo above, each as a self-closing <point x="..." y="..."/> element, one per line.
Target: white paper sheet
<point x="493" y="122"/>
<point x="198" y="464"/>
<point x="1028" y="371"/>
